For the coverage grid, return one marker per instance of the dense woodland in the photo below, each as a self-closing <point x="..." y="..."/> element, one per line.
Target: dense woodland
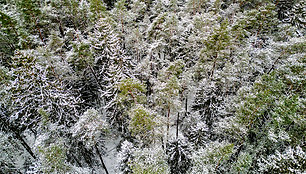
<point x="152" y="86"/>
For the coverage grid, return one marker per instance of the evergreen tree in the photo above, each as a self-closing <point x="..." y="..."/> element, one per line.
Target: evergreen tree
<point x="179" y="156"/>
<point x="88" y="85"/>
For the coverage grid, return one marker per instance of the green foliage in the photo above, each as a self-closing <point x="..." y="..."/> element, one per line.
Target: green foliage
<point x="82" y="57"/>
<point x="169" y="87"/>
<point x="168" y="93"/>
<point x="217" y="6"/>
<point x="131" y="91"/>
<point x="218" y="154"/>
<point x="243" y="164"/>
<point x="121" y="14"/>
<point x="217" y="48"/>
<point x="195" y="6"/>
<point x="232" y="71"/>
<point x="276" y="103"/>
<point x="205" y="21"/>
<point x="147" y="161"/>
<point x="7" y="22"/>
<point x="138" y="8"/>
<point x="261" y="21"/>
<point x="142" y="123"/>
<point x="273" y="113"/>
<point x="211" y="158"/>
<point x="176" y="68"/>
<point x="54" y="158"/>
<point x="251" y="4"/>
<point x="69" y="13"/>
<point x="8" y="36"/>
<point x="218" y="41"/>
<point x="45" y="116"/>
<point x="97" y="9"/>
<point x="4" y="76"/>
<point x="56" y="43"/>
<point x="29" y="9"/>
<point x="153" y="31"/>
<point x="30" y="13"/>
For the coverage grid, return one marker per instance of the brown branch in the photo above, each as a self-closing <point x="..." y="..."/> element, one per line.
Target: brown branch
<point x="39" y="31"/>
<point x="219" y="161"/>
<point x="250" y="124"/>
<point x="273" y="65"/>
<point x="134" y="98"/>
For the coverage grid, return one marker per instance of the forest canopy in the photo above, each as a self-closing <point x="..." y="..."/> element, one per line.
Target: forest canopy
<point x="152" y="86"/>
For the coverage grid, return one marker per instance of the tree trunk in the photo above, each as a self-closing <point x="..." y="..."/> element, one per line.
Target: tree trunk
<point x="213" y="68"/>
<point x="103" y="165"/>
<point x="177" y="124"/>
<point x="168" y="124"/>
<point x="76" y="160"/>
<point x="25" y="145"/>
<point x="95" y="76"/>
<point x="186" y="105"/>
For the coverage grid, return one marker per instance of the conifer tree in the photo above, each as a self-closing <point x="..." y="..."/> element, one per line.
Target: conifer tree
<point x="165" y="86"/>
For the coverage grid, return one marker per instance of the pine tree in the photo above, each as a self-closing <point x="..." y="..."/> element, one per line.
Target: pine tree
<point x="167" y="91"/>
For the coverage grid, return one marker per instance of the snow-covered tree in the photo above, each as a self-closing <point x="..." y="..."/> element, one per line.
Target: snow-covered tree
<point x="211" y="158"/>
<point x="149" y="161"/>
<point x="167" y="91"/>
<point x="197" y="86"/>
<point x="90" y="127"/>
<point x="179" y="156"/>
<point x="125" y="157"/>
<point x="290" y="161"/>
<point x="143" y="124"/>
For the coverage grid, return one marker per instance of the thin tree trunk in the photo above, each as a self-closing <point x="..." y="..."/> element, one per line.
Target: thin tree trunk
<point x="96" y="78"/>
<point x="86" y="155"/>
<point x="186" y="105"/>
<point x="38" y="29"/>
<point x="76" y="160"/>
<point x="168" y="124"/>
<point x="122" y="24"/>
<point x="274" y="63"/>
<point x="214" y="66"/>
<point x="193" y="6"/>
<point x="177" y="124"/>
<point x="25" y="145"/>
<point x="99" y="154"/>
<point x="17" y="135"/>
